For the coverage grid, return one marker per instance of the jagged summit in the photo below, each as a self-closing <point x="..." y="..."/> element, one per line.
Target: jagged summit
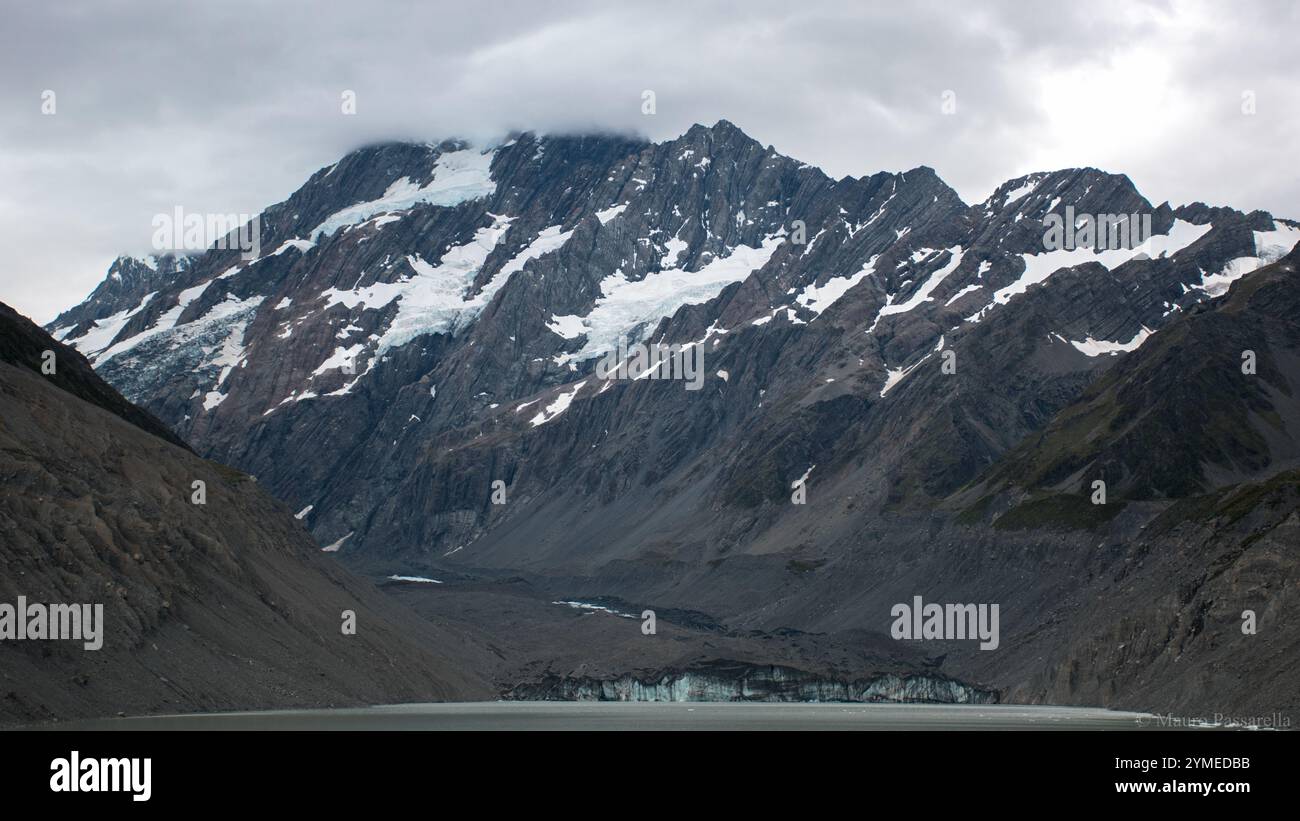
<point x="465" y="294"/>
<point x="130" y="281"/>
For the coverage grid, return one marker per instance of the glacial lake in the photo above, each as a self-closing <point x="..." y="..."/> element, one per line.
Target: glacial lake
<point x="607" y="715"/>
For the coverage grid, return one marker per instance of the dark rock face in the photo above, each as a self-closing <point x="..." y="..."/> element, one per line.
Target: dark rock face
<point x="423" y="329"/>
<point x="225" y="605"/>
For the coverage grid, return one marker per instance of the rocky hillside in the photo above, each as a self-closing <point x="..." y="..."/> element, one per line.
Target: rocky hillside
<point x="1172" y="594"/>
<point x="223" y="605"/>
<point x="1214" y="400"/>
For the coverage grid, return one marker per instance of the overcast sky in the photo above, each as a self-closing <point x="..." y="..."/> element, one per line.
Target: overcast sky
<point x="229" y="107"/>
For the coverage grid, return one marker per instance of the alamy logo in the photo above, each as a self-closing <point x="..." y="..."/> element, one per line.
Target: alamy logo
<point x="949" y="622"/>
<point x="77" y="774"/>
<point x="179" y="231"/>
<point x="1100" y="232"/>
<point x="36" y="621"/>
<point x="654" y="361"/>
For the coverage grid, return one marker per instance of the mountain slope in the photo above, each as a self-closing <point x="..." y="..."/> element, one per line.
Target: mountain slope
<point x="24" y="345"/>
<point x="1200" y="522"/>
<point x="1176" y="602"/>
<point x="225" y="605"/>
<point x="1210" y="401"/>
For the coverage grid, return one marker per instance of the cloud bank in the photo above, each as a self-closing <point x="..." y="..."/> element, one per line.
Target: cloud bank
<point x="229" y="107"/>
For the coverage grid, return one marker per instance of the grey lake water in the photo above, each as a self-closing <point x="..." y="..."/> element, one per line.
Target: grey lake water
<point x="565" y="715"/>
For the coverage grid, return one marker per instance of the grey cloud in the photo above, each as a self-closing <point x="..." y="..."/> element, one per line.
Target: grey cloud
<point x="229" y="107"/>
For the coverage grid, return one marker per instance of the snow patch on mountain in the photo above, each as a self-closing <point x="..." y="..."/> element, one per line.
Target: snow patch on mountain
<point x="458" y="176"/>
<point x="175" y="334"/>
<point x="568" y="326"/>
<point x="1019" y="192"/>
<point x="893" y="376"/>
<point x="630" y="308"/>
<point x="1100" y="347"/>
<point x="548" y="240"/>
<point x="963" y="292"/>
<point x="611" y="212"/>
<point x="104" y="331"/>
<point x="334" y="547"/>
<point x="228" y="358"/>
<point x="1038" y="267"/>
<point x="437" y="299"/>
<point x="299" y="245"/>
<point x="818" y="298"/>
<point x="921" y="294"/>
<point x="1269" y="246"/>
<point x="1025" y="186"/>
<point x="557" y="407"/>
<point x="340" y="358"/>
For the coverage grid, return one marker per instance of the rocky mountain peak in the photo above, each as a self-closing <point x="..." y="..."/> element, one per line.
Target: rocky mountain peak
<point x="439" y="310"/>
<point x="128" y="282"/>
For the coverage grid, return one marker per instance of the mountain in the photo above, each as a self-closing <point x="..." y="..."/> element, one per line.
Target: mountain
<point x="129" y="283"/>
<point x="424" y="328"/>
<point x="1213" y="401"/>
<point x="223" y="605"/>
